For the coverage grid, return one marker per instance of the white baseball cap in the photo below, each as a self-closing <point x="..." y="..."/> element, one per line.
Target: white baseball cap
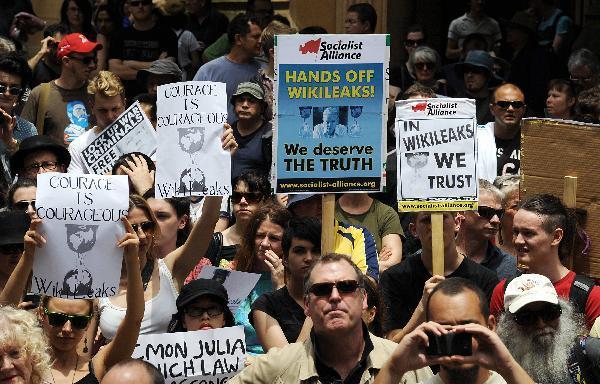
<point x="526" y="289"/>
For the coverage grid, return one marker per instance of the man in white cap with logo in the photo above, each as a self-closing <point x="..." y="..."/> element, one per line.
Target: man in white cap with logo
<point x="545" y="335"/>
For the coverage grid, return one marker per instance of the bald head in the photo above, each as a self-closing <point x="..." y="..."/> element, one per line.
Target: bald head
<point x="507" y="104"/>
<point x="133" y="371"/>
<point x="510" y="88"/>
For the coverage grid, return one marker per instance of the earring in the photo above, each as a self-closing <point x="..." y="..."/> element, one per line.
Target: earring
<point x="85" y="347"/>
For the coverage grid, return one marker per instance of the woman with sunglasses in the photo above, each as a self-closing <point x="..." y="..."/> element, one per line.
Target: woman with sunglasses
<point x="251" y="190"/>
<point x="65" y="322"/>
<point x="424" y="64"/>
<point x="201" y="304"/>
<point x="261" y="252"/>
<point x="21" y="196"/>
<point x="162" y="278"/>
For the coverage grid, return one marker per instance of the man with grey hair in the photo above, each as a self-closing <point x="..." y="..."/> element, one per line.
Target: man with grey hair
<point x="478" y="230"/>
<point x="545" y="335"/>
<point x="509" y="186"/>
<point x="584" y="69"/>
<point x="330" y="127"/>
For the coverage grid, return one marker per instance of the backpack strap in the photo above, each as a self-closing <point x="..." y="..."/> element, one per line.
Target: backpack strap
<point x="580" y="291"/>
<point x="41" y="110"/>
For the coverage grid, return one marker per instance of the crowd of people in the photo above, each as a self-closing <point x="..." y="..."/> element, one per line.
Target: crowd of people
<point x="371" y="310"/>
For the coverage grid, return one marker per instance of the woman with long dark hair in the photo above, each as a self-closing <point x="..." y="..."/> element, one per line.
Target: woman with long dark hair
<point x="76" y="15"/>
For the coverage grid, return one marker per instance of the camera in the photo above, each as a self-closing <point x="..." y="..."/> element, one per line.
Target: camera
<point x="449" y="344"/>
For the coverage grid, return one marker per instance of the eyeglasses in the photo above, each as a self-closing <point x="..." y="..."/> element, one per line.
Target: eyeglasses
<point x="12" y="249"/>
<point x="58" y="319"/>
<point x="213" y="311"/>
<point x="146" y="226"/>
<point x="422" y="66"/>
<point x="325" y="289"/>
<point x="46" y="165"/>
<point x="413" y="43"/>
<point x="579" y="80"/>
<point x="489" y="212"/>
<point x="137" y="3"/>
<point x="548" y="313"/>
<point x="517" y="104"/>
<point x="85" y="60"/>
<point x="13" y="90"/>
<point x="251" y="197"/>
<point x="23" y="205"/>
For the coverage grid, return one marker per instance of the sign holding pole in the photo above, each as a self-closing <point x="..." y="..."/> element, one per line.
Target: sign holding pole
<point x="436" y="154"/>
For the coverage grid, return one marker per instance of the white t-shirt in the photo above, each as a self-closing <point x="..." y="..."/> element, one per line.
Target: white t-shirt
<point x="76" y="151"/>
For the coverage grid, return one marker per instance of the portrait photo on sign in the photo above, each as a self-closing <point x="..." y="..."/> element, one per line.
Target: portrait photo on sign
<point x="330" y="122"/>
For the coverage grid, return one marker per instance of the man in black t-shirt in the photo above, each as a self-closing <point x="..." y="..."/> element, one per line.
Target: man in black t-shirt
<point x="406" y="286"/>
<point x="137" y="46"/>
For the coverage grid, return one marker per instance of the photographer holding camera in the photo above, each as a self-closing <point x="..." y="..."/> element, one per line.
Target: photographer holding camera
<point x="459" y="336"/>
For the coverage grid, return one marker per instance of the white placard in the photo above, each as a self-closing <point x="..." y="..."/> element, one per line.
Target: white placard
<point x="131" y="132"/>
<point x="190" y="158"/>
<point x="208" y="356"/>
<point x="238" y="284"/>
<point x="436" y="144"/>
<point x="81" y="222"/>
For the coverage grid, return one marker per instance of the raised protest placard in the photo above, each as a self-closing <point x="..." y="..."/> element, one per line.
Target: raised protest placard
<point x="238" y="284"/>
<point x="436" y="144"/>
<point x="81" y="222"/>
<point x="190" y="159"/>
<point x="131" y="132"/>
<point x="207" y="356"/>
<point x="331" y="112"/>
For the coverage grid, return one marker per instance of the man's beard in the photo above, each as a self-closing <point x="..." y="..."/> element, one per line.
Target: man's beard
<point x="544" y="353"/>
<point x="461" y="375"/>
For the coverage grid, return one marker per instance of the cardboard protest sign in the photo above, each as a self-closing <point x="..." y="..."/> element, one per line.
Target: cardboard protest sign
<point x="190" y="124"/>
<point x="131" y="132"/>
<point x="238" y="284"/>
<point x="553" y="149"/>
<point x="81" y="221"/>
<point x="436" y="155"/>
<point x="331" y="112"/>
<point x="207" y="356"/>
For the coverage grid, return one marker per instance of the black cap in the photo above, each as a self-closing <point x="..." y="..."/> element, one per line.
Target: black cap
<point x="201" y="287"/>
<point x="38" y="143"/>
<point x="13" y="225"/>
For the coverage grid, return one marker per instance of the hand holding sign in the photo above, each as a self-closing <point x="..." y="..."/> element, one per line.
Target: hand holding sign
<point x="228" y="140"/>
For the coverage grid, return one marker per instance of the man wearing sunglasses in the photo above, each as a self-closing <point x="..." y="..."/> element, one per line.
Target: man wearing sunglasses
<point x="60" y="108"/>
<point x="499" y="142"/>
<point x="478" y="231"/>
<point x="13" y="225"/>
<point x="545" y="334"/>
<point x="340" y="348"/>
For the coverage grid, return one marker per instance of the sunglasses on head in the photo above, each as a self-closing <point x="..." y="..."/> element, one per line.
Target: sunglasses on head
<point x="251" y="197"/>
<point x="137" y="3"/>
<point x="413" y="43"/>
<point x="422" y="66"/>
<point x="145" y="226"/>
<point x="212" y="311"/>
<point x="325" y="289"/>
<point x="489" y="212"/>
<point x="517" y="104"/>
<point x="13" y="90"/>
<point x="548" y="313"/>
<point x="86" y="60"/>
<point x="58" y="319"/>
<point x="11" y="249"/>
<point x="23" y="205"/>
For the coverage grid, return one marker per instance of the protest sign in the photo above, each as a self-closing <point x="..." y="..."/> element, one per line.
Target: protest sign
<point x="81" y="222"/>
<point x="131" y="132"/>
<point x="436" y="155"/>
<point x="207" y="356"/>
<point x="190" y="120"/>
<point x="331" y="112"/>
<point x="238" y="284"/>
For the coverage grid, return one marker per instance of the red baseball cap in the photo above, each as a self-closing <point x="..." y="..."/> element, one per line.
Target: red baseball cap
<point x="75" y="42"/>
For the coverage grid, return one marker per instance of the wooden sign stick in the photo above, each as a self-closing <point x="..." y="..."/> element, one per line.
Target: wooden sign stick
<point x="570" y="201"/>
<point x="327" y="223"/>
<point x="437" y="240"/>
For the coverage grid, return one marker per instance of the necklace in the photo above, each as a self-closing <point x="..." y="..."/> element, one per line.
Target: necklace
<point x="74" y="371"/>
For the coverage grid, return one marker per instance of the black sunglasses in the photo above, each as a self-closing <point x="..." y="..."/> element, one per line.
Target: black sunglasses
<point x="413" y="43"/>
<point x="325" y="289"/>
<point x="212" y="311"/>
<point x="146" y="226"/>
<point x="58" y="319"/>
<point x="489" y="212"/>
<point x="86" y="60"/>
<point x="23" y="205"/>
<point x="13" y="90"/>
<point x="548" y="313"/>
<point x="517" y="104"/>
<point x="12" y="249"/>
<point x="137" y="3"/>
<point x="251" y="197"/>
<point x="422" y="66"/>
